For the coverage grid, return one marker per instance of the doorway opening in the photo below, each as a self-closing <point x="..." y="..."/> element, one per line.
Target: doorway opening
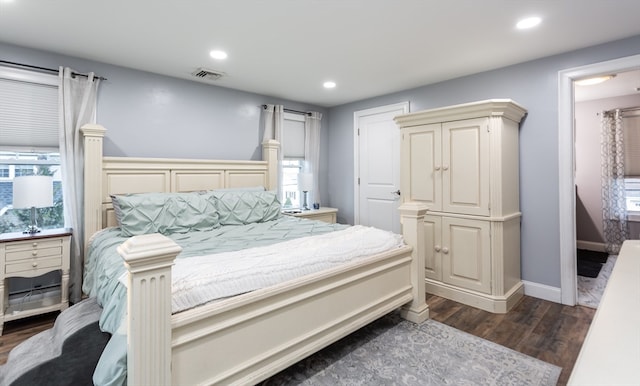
<point x="616" y="102"/>
<point x="566" y="157"/>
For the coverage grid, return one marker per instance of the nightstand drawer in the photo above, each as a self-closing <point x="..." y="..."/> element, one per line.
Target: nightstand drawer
<point x="33" y="253"/>
<point x="326" y="217"/>
<point x="35" y="244"/>
<point x="33" y="265"/>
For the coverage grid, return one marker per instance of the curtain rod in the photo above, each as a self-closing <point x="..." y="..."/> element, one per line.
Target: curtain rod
<point x="44" y="69"/>
<point x="626" y="109"/>
<point x="292" y="111"/>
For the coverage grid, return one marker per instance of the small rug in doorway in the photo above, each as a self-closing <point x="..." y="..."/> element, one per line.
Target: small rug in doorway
<point x="590" y="262"/>
<point x="393" y="351"/>
<point x="590" y="289"/>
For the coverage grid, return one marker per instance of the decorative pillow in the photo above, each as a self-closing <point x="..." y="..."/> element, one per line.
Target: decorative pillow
<point x="165" y="213"/>
<point x="246" y="207"/>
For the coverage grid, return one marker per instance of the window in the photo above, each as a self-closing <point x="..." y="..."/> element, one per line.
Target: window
<point x="28" y="143"/>
<point x="632" y="187"/>
<point x="293" y="159"/>
<point x="631" y="132"/>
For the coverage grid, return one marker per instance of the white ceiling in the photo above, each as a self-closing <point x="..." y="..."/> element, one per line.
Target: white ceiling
<point x="288" y="48"/>
<point x="625" y="83"/>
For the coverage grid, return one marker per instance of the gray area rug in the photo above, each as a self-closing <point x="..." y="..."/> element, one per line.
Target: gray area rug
<point x="393" y="351"/>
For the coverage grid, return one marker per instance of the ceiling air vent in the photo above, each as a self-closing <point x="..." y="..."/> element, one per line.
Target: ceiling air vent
<point x="203" y="73"/>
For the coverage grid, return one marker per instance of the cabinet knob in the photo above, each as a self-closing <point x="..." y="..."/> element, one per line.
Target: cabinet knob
<point x="34" y="253"/>
<point x="34" y="264"/>
<point x="437" y="248"/>
<point x="437" y="168"/>
<point x="35" y="245"/>
<point x="445" y="167"/>
<point x="445" y="250"/>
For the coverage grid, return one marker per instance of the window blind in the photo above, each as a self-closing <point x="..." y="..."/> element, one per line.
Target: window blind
<point x="293" y="137"/>
<point x="631" y="132"/>
<point x="28" y="114"/>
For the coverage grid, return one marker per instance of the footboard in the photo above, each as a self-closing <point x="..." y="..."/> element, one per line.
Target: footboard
<point x="247" y="338"/>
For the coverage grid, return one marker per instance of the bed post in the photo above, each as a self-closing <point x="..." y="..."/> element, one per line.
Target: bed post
<point x="412" y="218"/>
<point x="270" y="150"/>
<point x="93" y="135"/>
<point x="148" y="259"/>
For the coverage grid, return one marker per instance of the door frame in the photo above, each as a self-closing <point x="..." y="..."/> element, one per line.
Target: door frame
<point x="566" y="166"/>
<point x="404" y="106"/>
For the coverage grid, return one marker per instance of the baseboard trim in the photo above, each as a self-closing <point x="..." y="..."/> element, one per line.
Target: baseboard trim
<point x="542" y="291"/>
<point x="590" y="246"/>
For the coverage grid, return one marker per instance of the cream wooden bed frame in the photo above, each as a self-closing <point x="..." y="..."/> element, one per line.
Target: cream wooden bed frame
<point x="247" y="338"/>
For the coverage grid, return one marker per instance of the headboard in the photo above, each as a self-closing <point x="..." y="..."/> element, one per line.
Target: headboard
<point x="104" y="176"/>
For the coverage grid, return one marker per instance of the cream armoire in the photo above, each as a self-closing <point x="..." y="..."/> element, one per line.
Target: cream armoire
<point x="462" y="162"/>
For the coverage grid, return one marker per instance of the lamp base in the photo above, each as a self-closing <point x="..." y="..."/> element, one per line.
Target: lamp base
<point x="31" y="229"/>
<point x="305" y="206"/>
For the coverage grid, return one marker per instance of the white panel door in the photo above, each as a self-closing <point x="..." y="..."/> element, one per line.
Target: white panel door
<point x="378" y="168"/>
<point x="465" y="166"/>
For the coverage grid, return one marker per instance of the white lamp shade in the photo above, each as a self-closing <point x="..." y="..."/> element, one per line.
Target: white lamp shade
<point x="32" y="191"/>
<point x="305" y="181"/>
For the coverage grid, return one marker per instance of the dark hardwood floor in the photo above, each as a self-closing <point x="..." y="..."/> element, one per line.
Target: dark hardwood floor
<point x="545" y="330"/>
<point x="548" y="331"/>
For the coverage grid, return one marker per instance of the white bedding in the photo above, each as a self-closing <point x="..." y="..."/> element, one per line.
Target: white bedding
<point x="198" y="280"/>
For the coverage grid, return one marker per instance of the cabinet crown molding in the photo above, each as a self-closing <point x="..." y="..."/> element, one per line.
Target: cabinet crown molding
<point x="506" y="108"/>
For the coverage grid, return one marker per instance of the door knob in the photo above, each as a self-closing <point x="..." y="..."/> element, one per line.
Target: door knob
<point x="397" y="192"/>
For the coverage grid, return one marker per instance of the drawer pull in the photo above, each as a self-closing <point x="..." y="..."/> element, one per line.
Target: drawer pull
<point x="34" y="253"/>
<point x="35" y="245"/>
<point x="34" y="264"/>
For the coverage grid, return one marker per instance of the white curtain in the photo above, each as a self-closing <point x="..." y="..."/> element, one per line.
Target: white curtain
<point x="614" y="206"/>
<point x="77" y="106"/>
<point x="273" y="121"/>
<point x="312" y="151"/>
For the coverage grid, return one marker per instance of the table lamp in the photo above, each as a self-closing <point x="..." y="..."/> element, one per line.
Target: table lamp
<point x="31" y="192"/>
<point x="305" y="183"/>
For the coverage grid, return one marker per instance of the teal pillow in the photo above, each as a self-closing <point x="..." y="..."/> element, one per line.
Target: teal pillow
<point x="164" y="213"/>
<point x="246" y="207"/>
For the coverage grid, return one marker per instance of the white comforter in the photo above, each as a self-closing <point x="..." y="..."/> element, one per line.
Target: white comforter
<point x="198" y="280"/>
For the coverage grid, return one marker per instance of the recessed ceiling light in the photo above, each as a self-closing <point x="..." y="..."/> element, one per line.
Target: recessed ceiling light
<point x="329" y="84"/>
<point x="529" y="22"/>
<point x="217" y="54"/>
<point x="594" y="80"/>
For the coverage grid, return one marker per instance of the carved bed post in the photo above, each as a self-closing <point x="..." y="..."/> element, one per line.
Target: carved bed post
<point x="93" y="135"/>
<point x="148" y="259"/>
<point x="412" y="218"/>
<point x="270" y="150"/>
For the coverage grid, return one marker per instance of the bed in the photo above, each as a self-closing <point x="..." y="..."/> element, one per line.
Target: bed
<point x="246" y="338"/>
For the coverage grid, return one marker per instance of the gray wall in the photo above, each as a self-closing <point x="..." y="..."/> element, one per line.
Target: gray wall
<point x="588" y="171"/>
<point x="535" y="86"/>
<point x="150" y="115"/>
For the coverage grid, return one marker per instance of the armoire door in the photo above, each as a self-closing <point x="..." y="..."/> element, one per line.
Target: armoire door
<point x="466" y="253"/>
<point x="465" y="166"/>
<point x="422" y="152"/>
<point x="433" y="247"/>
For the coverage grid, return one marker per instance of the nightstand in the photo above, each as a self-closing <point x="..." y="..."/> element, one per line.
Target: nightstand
<point x="31" y="255"/>
<point x="325" y="214"/>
